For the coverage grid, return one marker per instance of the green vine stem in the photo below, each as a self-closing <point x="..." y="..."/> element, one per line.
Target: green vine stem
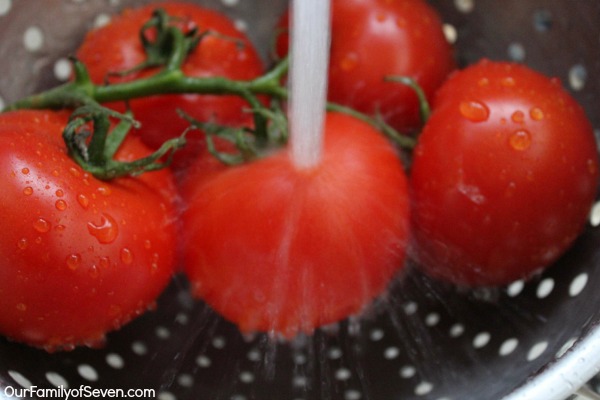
<point x="93" y="144"/>
<point x="169" y="51"/>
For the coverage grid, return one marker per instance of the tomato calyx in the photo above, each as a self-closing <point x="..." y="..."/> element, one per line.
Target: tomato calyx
<point x="165" y="43"/>
<point x="93" y="144"/>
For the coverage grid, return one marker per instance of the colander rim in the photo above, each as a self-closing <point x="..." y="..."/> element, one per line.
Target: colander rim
<point x="567" y="374"/>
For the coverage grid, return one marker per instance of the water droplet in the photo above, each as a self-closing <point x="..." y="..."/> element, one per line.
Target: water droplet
<point x="401" y="22"/>
<point x="28" y="191"/>
<point x="22" y="243"/>
<point x="22" y="307"/>
<point x="510" y="189"/>
<point x="59" y="193"/>
<point x="520" y="140"/>
<point x="114" y="310"/>
<point x="474" y="111"/>
<point x="380" y="17"/>
<point x="104" y="190"/>
<point x="106" y="231"/>
<point x="104" y="262"/>
<point x="93" y="271"/>
<point x="60" y="228"/>
<point x="147" y="244"/>
<point x="60" y="205"/>
<point x="83" y="201"/>
<point x="592" y="167"/>
<point x="73" y="261"/>
<point x="25" y="171"/>
<point x="126" y="255"/>
<point x="518" y="117"/>
<point x="483" y="82"/>
<point x="349" y="62"/>
<point x="536" y="114"/>
<point x="55" y="173"/>
<point x="154" y="262"/>
<point x="508" y="81"/>
<point x="75" y="172"/>
<point x="41" y="225"/>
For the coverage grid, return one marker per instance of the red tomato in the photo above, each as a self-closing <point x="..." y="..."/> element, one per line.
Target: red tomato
<point x="372" y="39"/>
<point x="226" y="52"/>
<point x="504" y="175"/>
<point x="279" y="249"/>
<point x="79" y="257"/>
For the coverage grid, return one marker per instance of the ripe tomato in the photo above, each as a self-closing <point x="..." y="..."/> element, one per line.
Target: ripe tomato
<point x="225" y="52"/>
<point x="78" y="257"/>
<point x="503" y="177"/>
<point x="372" y="39"/>
<point x="279" y="249"/>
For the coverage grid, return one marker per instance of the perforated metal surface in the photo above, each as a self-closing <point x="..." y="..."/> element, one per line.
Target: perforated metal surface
<point x="422" y="340"/>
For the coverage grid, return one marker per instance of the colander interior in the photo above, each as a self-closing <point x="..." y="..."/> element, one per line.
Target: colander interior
<point x="422" y="339"/>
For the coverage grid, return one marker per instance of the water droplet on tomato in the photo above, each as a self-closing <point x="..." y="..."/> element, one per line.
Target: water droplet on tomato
<point x="93" y="271"/>
<point x="73" y="261"/>
<point x="83" y="200"/>
<point x="104" y="190"/>
<point x="536" y="114"/>
<point x="28" y="191"/>
<point x="25" y="171"/>
<point x="22" y="307"/>
<point x="106" y="231"/>
<point x="510" y="189"/>
<point x="114" y="310"/>
<point x="592" y="167"/>
<point x="22" y="243"/>
<point x="518" y="117"/>
<point x="60" y="205"/>
<point x="154" y="262"/>
<point x="126" y="256"/>
<point x="349" y="62"/>
<point x="59" y="193"/>
<point x="55" y="173"/>
<point x="380" y="16"/>
<point x="520" y="140"/>
<point x="508" y="81"/>
<point x="147" y="244"/>
<point x="41" y="225"/>
<point x="104" y="262"/>
<point x="75" y="172"/>
<point x="401" y="22"/>
<point x="474" y="111"/>
<point x="483" y="82"/>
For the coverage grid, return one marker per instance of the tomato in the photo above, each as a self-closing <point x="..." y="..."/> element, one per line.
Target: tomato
<point x="79" y="257"/>
<point x="503" y="176"/>
<point x="225" y="51"/>
<point x="279" y="249"/>
<point x="373" y="39"/>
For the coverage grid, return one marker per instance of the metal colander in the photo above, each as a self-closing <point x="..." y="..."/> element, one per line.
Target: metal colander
<point x="422" y="340"/>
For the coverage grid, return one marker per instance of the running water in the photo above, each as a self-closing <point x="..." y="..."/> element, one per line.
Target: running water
<point x="309" y="58"/>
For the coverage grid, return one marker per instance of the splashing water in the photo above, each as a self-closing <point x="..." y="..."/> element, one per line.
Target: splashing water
<point x="310" y="39"/>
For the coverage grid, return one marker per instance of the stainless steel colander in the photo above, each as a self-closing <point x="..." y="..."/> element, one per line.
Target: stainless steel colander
<point x="423" y="340"/>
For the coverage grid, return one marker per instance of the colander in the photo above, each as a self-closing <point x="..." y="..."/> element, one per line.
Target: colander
<point x="532" y="340"/>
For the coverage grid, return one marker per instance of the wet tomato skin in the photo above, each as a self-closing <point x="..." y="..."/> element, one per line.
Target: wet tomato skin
<point x="79" y="257"/>
<point x="283" y="250"/>
<point x="225" y="52"/>
<point x="503" y="177"/>
<point x="374" y="39"/>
